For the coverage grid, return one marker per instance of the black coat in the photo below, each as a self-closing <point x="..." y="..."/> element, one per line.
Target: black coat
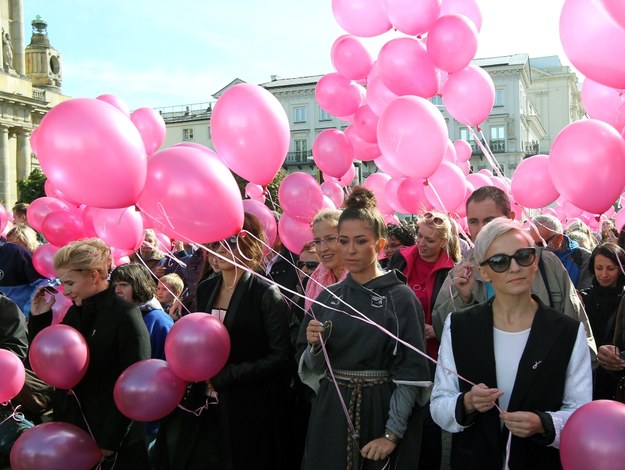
<point x="12" y="328"/>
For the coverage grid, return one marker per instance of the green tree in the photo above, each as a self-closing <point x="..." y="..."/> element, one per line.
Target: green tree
<point x="272" y="189"/>
<point x="31" y="188"/>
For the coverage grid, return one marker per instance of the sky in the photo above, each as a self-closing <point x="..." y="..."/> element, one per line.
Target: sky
<point x="159" y="53"/>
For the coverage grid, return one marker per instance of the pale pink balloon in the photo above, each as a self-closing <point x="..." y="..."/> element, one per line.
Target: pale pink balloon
<point x="406" y="69"/>
<point x="378" y="95"/>
<point x="465" y="167"/>
<point x="338" y="95"/>
<point x="391" y="219"/>
<point x="4" y="218"/>
<point x="345" y="180"/>
<point x="250" y="131"/>
<point x="412" y="17"/>
<point x="411" y="195"/>
<point x="593" y="41"/>
<point x="61" y="305"/>
<point x="615" y="10"/>
<point x="376" y="183"/>
<point x="116" y="102"/>
<point x="392" y="196"/>
<point x="619" y="220"/>
<point x="604" y="103"/>
<point x="363" y="18"/>
<point x="334" y="191"/>
<point x="294" y="234"/>
<point x="43" y="260"/>
<point x="571" y="211"/>
<point x="468" y="8"/>
<point x="350" y="58"/>
<point x="389" y="167"/>
<point x="365" y="124"/>
<point x="463" y="150"/>
<point x="41" y="207"/>
<point x="469" y="95"/>
<point x="410" y="123"/>
<point x="265" y="216"/>
<point x="531" y="183"/>
<point x="363" y="150"/>
<point x="121" y="228"/>
<point x="450" y="153"/>
<point x="446" y="187"/>
<point x="327" y="203"/>
<point x="587" y="164"/>
<point x="254" y="190"/>
<point x="300" y="196"/>
<point x="479" y="180"/>
<point x="501" y="184"/>
<point x="452" y="42"/>
<point x="62" y="227"/>
<point x="333" y="152"/>
<point x="151" y="126"/>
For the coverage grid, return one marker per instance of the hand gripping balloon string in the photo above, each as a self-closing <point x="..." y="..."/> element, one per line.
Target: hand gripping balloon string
<point x="16" y="415"/>
<point x="200" y="410"/>
<point x="71" y="392"/>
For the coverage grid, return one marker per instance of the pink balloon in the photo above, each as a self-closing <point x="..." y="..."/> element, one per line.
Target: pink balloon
<point x="452" y="42"/>
<point x="531" y="183"/>
<point x="43" y="260"/>
<point x="412" y="17"/>
<point x="365" y="124"/>
<point x="379" y="96"/>
<point x="363" y="150"/>
<point x="300" y="196"/>
<point x="51" y="191"/>
<point x="333" y="152"/>
<point x="197" y="347"/>
<point x="334" y="191"/>
<point x="265" y="216"/>
<point x="592" y="436"/>
<point x="468" y="8"/>
<point x="446" y="187"/>
<point x="62" y="227"/>
<point x="350" y="58"/>
<point x="465" y="167"/>
<point x="450" y="153"/>
<point x="392" y="196"/>
<point x="391" y="219"/>
<point x="151" y="126"/>
<point x="62" y="303"/>
<point x="602" y="58"/>
<point x="254" y="191"/>
<point x="364" y="18"/>
<point x="615" y="10"/>
<point x="406" y="68"/>
<point x="83" y="143"/>
<point x="41" y="207"/>
<point x="4" y="218"/>
<point x="175" y="196"/>
<point x="411" y="123"/>
<point x="501" y="184"/>
<point x="12" y="375"/>
<point x="59" y="355"/>
<point x="294" y="233"/>
<point x="619" y="220"/>
<point x="411" y="195"/>
<point x="55" y="446"/>
<point x="479" y="180"/>
<point x="121" y="228"/>
<point x="469" y="95"/>
<point x="327" y="203"/>
<point x="163" y="243"/>
<point x="376" y="183"/>
<point x="345" y="180"/>
<point x="339" y="96"/>
<point x="116" y="102"/>
<point x="250" y="131"/>
<point x="388" y="166"/>
<point x="587" y="155"/>
<point x="463" y="150"/>
<point x="148" y="390"/>
<point x="604" y="103"/>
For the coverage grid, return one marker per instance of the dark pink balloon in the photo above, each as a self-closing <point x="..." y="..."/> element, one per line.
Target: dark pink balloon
<point x="392" y="196"/>
<point x="148" y="390"/>
<point x="411" y="195"/>
<point x="363" y="150"/>
<point x="59" y="355"/>
<point x="365" y="124"/>
<point x="12" y="375"/>
<point x="300" y="196"/>
<point x="43" y="260"/>
<point x="51" y="191"/>
<point x="333" y="190"/>
<point x="333" y="152"/>
<point x="350" y="58"/>
<point x="197" y="347"/>
<point x="4" y="218"/>
<point x="265" y="216"/>
<point x="338" y="95"/>
<point x="532" y="186"/>
<point x="41" y="207"/>
<point x="446" y="187"/>
<point x="294" y="234"/>
<point x="62" y="227"/>
<point x="151" y="126"/>
<point x="121" y="228"/>
<point x="345" y="180"/>
<point x="55" y="446"/>
<point x="364" y="18"/>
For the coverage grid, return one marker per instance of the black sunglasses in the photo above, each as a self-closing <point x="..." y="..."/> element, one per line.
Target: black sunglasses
<point x="500" y="263"/>
<point x="309" y="264"/>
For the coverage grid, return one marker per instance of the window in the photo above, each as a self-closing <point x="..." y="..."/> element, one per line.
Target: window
<point x="324" y="115"/>
<point x="498" y="139"/>
<point x="466" y="135"/>
<point x="299" y="114"/>
<point x="209" y="133"/>
<point x="187" y="134"/>
<point x="301" y="150"/>
<point x="499" y="98"/>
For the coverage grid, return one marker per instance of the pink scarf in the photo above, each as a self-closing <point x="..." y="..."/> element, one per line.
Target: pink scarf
<point x="324" y="277"/>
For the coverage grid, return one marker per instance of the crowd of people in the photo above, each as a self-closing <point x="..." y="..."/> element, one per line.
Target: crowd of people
<point x="355" y="353"/>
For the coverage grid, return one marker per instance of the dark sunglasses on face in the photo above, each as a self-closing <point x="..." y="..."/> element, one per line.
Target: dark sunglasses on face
<point x="501" y="263"/>
<point x="308" y="264"/>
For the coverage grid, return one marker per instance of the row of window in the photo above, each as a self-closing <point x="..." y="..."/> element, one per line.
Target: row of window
<point x="300" y="114"/>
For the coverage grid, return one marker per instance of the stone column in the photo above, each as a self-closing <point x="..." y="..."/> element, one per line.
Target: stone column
<point x="5" y="167"/>
<point x="17" y="36"/>
<point x="23" y="153"/>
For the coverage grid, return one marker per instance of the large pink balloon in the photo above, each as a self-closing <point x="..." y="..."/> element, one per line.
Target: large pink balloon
<point x="148" y="390"/>
<point x="615" y="10"/>
<point x="151" y="126"/>
<point x="378" y="95"/>
<point x="389" y="167"/>
<point x="604" y="103"/>
<point x="41" y="207"/>
<point x="51" y="191"/>
<point x="593" y="437"/>
<point x="265" y="216"/>
<point x="333" y="190"/>
<point x="376" y="183"/>
<point x="176" y="197"/>
<point x="531" y="183"/>
<point x="411" y="195"/>
<point x="59" y="355"/>
<point x="250" y="131"/>
<point x="92" y="153"/>
<point x="364" y="18"/>
<point x="412" y="135"/>
<point x="333" y="152"/>
<point x="468" y="8"/>
<point x="469" y="95"/>
<point x="452" y="42"/>
<point x="197" y="347"/>
<point x="363" y="150"/>
<point x="294" y="234"/>
<point x="62" y="227"/>
<point x="43" y="260"/>
<point x="350" y="58"/>
<point x="339" y="96"/>
<point x="446" y="187"/>
<point x="55" y="446"/>
<point x="412" y="17"/>
<point x="12" y="375"/>
<point x="121" y="228"/>
<point x="593" y="41"/>
<point x="587" y="164"/>
<point x="406" y="69"/>
<point x="479" y="180"/>
<point x="300" y="196"/>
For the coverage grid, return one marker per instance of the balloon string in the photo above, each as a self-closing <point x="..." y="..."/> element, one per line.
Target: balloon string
<point x="71" y="392"/>
<point x="200" y="410"/>
<point x="446" y="211"/>
<point x="16" y="415"/>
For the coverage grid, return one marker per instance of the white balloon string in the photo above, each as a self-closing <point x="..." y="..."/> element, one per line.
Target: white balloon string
<point x="71" y="392"/>
<point x="446" y="211"/>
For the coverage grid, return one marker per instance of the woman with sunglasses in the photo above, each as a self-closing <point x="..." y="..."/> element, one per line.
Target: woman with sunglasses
<point x="380" y="380"/>
<point x="529" y="362"/>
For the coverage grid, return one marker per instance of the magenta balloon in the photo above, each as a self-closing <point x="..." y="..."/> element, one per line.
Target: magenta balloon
<point x="55" y="446"/>
<point x="41" y="207"/>
<point x="254" y="190"/>
<point x="87" y="222"/>
<point x="604" y="103"/>
<point x="12" y="375"/>
<point x="446" y="187"/>
<point x="116" y="102"/>
<point x="148" y="390"/>
<point x="333" y="152"/>
<point x="411" y="195"/>
<point x="334" y="191"/>
<point x="121" y="228"/>
<point x="469" y="95"/>
<point x="593" y="41"/>
<point x="531" y="183"/>
<point x="392" y="196"/>
<point x="406" y="69"/>
<point x="250" y="131"/>
<point x="615" y="10"/>
<point x="412" y="17"/>
<point x="176" y="198"/>
<point x="587" y="155"/>
<point x="363" y="150"/>
<point x="411" y="123"/>
<point x="197" y="347"/>
<point x="4" y="218"/>
<point x="300" y="196"/>
<point x="294" y="234"/>
<point x="452" y="42"/>
<point x="350" y="58"/>
<point x="62" y="227"/>
<point x="376" y="183"/>
<point x="364" y="18"/>
<point x="151" y="126"/>
<point x="463" y="150"/>
<point x="479" y="180"/>
<point x="468" y="8"/>
<point x="43" y="260"/>
<point x="378" y="95"/>
<point x="365" y="124"/>
<point x="51" y="191"/>
<point x="265" y="216"/>
<point x="593" y="436"/>
<point x="83" y="143"/>
<point x="59" y="355"/>
<point x="339" y="96"/>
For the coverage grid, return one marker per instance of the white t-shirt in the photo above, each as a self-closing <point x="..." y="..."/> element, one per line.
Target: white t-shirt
<point x="509" y="348"/>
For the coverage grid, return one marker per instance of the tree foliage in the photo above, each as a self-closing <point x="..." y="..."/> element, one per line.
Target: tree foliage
<point x="32" y="187"/>
<point x="272" y="189"/>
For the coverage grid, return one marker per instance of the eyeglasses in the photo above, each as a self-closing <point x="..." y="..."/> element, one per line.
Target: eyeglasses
<point x="433" y="219"/>
<point x="312" y="265"/>
<point x="328" y="241"/>
<point x="540" y="244"/>
<point x="500" y="263"/>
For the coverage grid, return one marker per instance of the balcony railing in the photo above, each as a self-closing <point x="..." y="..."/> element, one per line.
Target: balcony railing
<point x="531" y="148"/>
<point x="297" y="158"/>
<point x="496" y="146"/>
<point x="39" y="94"/>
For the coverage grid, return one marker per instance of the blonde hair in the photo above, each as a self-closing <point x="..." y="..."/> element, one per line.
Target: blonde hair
<point x="88" y="254"/>
<point x="173" y="282"/>
<point x="24" y="236"/>
<point x="330" y="216"/>
<point x="446" y="231"/>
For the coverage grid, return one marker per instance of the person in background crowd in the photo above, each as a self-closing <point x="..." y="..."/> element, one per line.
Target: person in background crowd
<point x="307" y="264"/>
<point x="280" y="265"/>
<point x="608" y="231"/>
<point x="581" y="233"/>
<point x="149" y="255"/>
<point x="20" y="213"/>
<point x="169" y="289"/>
<point x="24" y="236"/>
<point x="399" y="236"/>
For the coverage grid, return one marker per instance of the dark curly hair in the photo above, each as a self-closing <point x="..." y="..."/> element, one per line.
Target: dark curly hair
<point x="361" y="205"/>
<point x="405" y="234"/>
<point x="140" y="279"/>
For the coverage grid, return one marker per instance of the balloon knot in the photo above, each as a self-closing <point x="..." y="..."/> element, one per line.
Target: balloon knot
<point x="426" y="182"/>
<point x="479" y="129"/>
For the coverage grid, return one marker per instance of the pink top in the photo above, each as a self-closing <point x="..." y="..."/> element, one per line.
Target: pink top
<point x="324" y="277"/>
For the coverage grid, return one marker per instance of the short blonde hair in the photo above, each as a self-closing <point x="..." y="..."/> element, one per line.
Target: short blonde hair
<point x="88" y="254"/>
<point x="173" y="282"/>
<point x="330" y="216"/>
<point x="24" y="236"/>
